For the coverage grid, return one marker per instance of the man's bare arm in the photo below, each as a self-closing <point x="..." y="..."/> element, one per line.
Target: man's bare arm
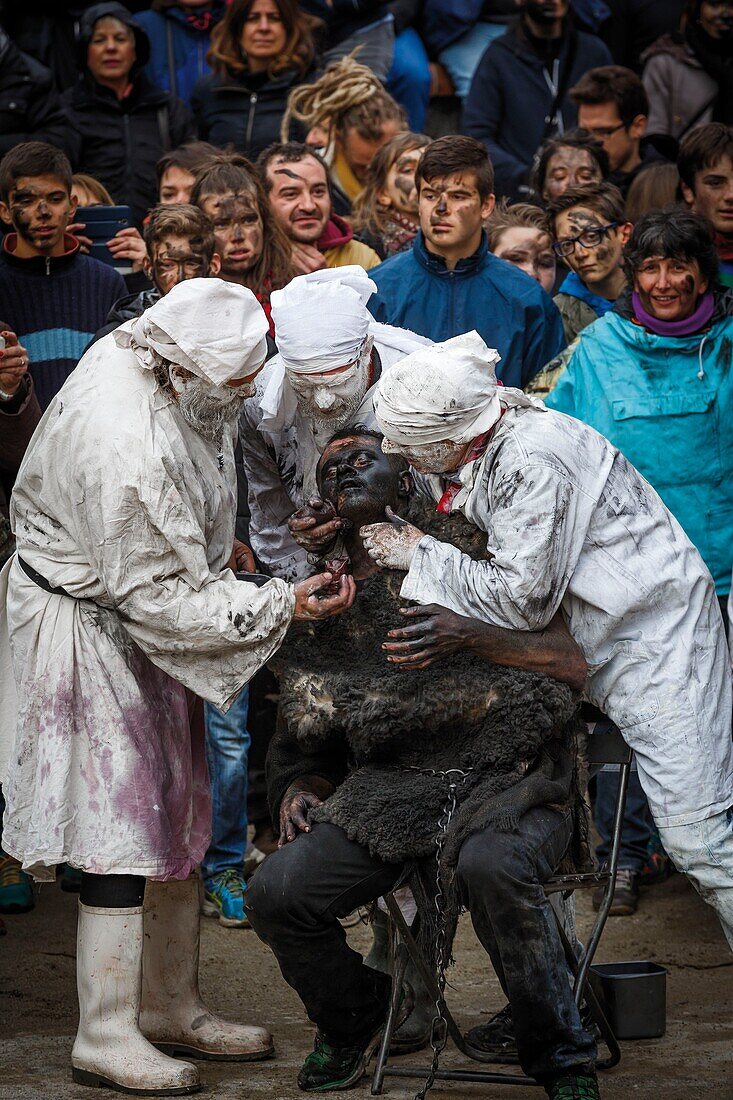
<point x="433" y="632"/>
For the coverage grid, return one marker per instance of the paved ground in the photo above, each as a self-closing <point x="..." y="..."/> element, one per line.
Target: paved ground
<point x="673" y="927"/>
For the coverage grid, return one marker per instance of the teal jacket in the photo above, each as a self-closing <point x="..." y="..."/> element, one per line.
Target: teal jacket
<point x="667" y="404"/>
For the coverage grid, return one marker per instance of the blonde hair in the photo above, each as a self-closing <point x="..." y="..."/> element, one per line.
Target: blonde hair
<point x="347" y="96"/>
<point x="93" y="187"/>
<point x="518" y="215"/>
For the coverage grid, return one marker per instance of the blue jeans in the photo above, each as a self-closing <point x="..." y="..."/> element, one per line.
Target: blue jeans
<point x="227" y="747"/>
<point x="637" y="826"/>
<point x="409" y="77"/>
<point x="461" y="58"/>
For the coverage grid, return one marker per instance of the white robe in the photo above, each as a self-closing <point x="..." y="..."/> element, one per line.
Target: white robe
<point x="132" y="512"/>
<point x="280" y="455"/>
<point x="572" y="525"/>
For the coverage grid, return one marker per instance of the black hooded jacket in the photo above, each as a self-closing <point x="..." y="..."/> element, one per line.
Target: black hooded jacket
<point x="120" y="141"/>
<point x="30" y="108"/>
<point x="245" y="111"/>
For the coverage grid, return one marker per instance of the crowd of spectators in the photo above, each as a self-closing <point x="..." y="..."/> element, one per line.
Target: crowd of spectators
<point x="579" y="217"/>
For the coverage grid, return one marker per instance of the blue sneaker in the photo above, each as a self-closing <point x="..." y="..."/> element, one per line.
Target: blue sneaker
<point x="224" y="898"/>
<point x="16" y="894"/>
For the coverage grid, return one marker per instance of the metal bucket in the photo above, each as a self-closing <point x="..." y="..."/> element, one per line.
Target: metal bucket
<point x="635" y="997"/>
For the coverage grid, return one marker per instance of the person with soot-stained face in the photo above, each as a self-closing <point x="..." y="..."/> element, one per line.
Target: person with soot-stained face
<point x="57" y="296"/>
<point x="573" y="159"/>
<point x="386" y="211"/>
<point x="298" y="190"/>
<point x="179" y="242"/>
<point x="449" y="279"/>
<point x="121" y="596"/>
<point x="590" y="229"/>
<point x="253" y="249"/>
<point x="520" y="234"/>
<point x="321" y="800"/>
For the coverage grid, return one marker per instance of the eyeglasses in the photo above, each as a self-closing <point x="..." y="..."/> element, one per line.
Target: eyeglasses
<point x="589" y="238"/>
<point x="602" y="132"/>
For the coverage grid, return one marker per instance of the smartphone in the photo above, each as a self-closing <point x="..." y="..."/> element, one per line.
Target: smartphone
<point x="102" y="223"/>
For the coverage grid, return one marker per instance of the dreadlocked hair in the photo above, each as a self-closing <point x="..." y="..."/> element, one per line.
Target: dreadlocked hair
<point x="348" y="96"/>
<point x="231" y="172"/>
<point x="368" y="214"/>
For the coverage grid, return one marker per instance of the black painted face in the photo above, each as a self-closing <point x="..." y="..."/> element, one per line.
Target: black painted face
<point x="359" y="479"/>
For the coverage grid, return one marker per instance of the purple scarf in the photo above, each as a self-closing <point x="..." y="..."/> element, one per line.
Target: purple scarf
<point x="694" y="323"/>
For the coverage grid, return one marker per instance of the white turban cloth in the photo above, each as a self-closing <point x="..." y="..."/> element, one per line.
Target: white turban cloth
<point x="446" y="391"/>
<point x="213" y="329"/>
<point x="321" y="320"/>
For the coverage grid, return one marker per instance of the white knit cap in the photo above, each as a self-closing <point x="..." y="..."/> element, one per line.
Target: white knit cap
<point x="213" y="329"/>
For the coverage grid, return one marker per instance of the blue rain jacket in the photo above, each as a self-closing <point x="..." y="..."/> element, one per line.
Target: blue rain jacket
<point x="508" y="308"/>
<point x="667" y="404"/>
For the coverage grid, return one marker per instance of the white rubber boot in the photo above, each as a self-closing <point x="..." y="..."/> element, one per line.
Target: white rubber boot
<point x="173" y="1016"/>
<point x="109" y="1048"/>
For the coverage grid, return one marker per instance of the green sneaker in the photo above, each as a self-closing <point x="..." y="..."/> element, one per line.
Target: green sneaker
<point x="330" y="1068"/>
<point x="224" y="898"/>
<point x="16" y="893"/>
<point x="573" y="1086"/>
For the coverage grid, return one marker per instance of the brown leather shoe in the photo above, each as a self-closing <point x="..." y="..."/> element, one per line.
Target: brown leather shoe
<point x="625" y="896"/>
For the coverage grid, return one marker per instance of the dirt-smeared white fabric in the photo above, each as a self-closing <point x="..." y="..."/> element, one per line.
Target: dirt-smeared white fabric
<point x="281" y="452"/>
<point x="571" y="525"/>
<point x="128" y="509"/>
<point x="321" y="318"/>
<point x="447" y="391"/>
<point x="215" y="330"/>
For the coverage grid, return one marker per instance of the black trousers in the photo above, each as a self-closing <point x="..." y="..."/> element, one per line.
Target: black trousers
<point x="295" y="899"/>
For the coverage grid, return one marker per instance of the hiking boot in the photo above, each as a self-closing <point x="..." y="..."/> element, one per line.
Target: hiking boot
<point x="16" y="892"/>
<point x="625" y="896"/>
<point x="497" y="1036"/>
<point x="573" y="1086"/>
<point x="330" y="1068"/>
<point x="224" y="898"/>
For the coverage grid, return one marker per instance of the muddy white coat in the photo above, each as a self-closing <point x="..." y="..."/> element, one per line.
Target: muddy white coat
<point x="128" y="509"/>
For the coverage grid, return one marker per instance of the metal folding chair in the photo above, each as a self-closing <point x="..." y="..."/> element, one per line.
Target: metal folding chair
<point x="607" y="747"/>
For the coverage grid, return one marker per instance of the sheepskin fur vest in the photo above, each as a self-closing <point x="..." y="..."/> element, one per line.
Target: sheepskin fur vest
<point x="511" y="733"/>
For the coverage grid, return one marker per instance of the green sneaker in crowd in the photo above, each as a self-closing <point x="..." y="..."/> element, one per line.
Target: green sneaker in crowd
<point x="330" y="1068"/>
<point x="573" y="1086"/>
<point x="224" y="898"/>
<point x="16" y="893"/>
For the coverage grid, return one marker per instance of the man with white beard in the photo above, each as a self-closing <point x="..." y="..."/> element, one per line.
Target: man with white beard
<point x="331" y="354"/>
<point x="121" y="595"/>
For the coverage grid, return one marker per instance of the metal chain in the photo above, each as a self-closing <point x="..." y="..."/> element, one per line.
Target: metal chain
<point x="439" y="1026"/>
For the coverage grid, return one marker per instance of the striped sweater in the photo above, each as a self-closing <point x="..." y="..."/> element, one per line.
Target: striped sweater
<point x="55" y="305"/>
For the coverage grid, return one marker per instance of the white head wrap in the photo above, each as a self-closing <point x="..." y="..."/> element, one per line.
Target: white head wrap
<point x="213" y="329"/>
<point x="447" y="391"/>
<point x="321" y="319"/>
